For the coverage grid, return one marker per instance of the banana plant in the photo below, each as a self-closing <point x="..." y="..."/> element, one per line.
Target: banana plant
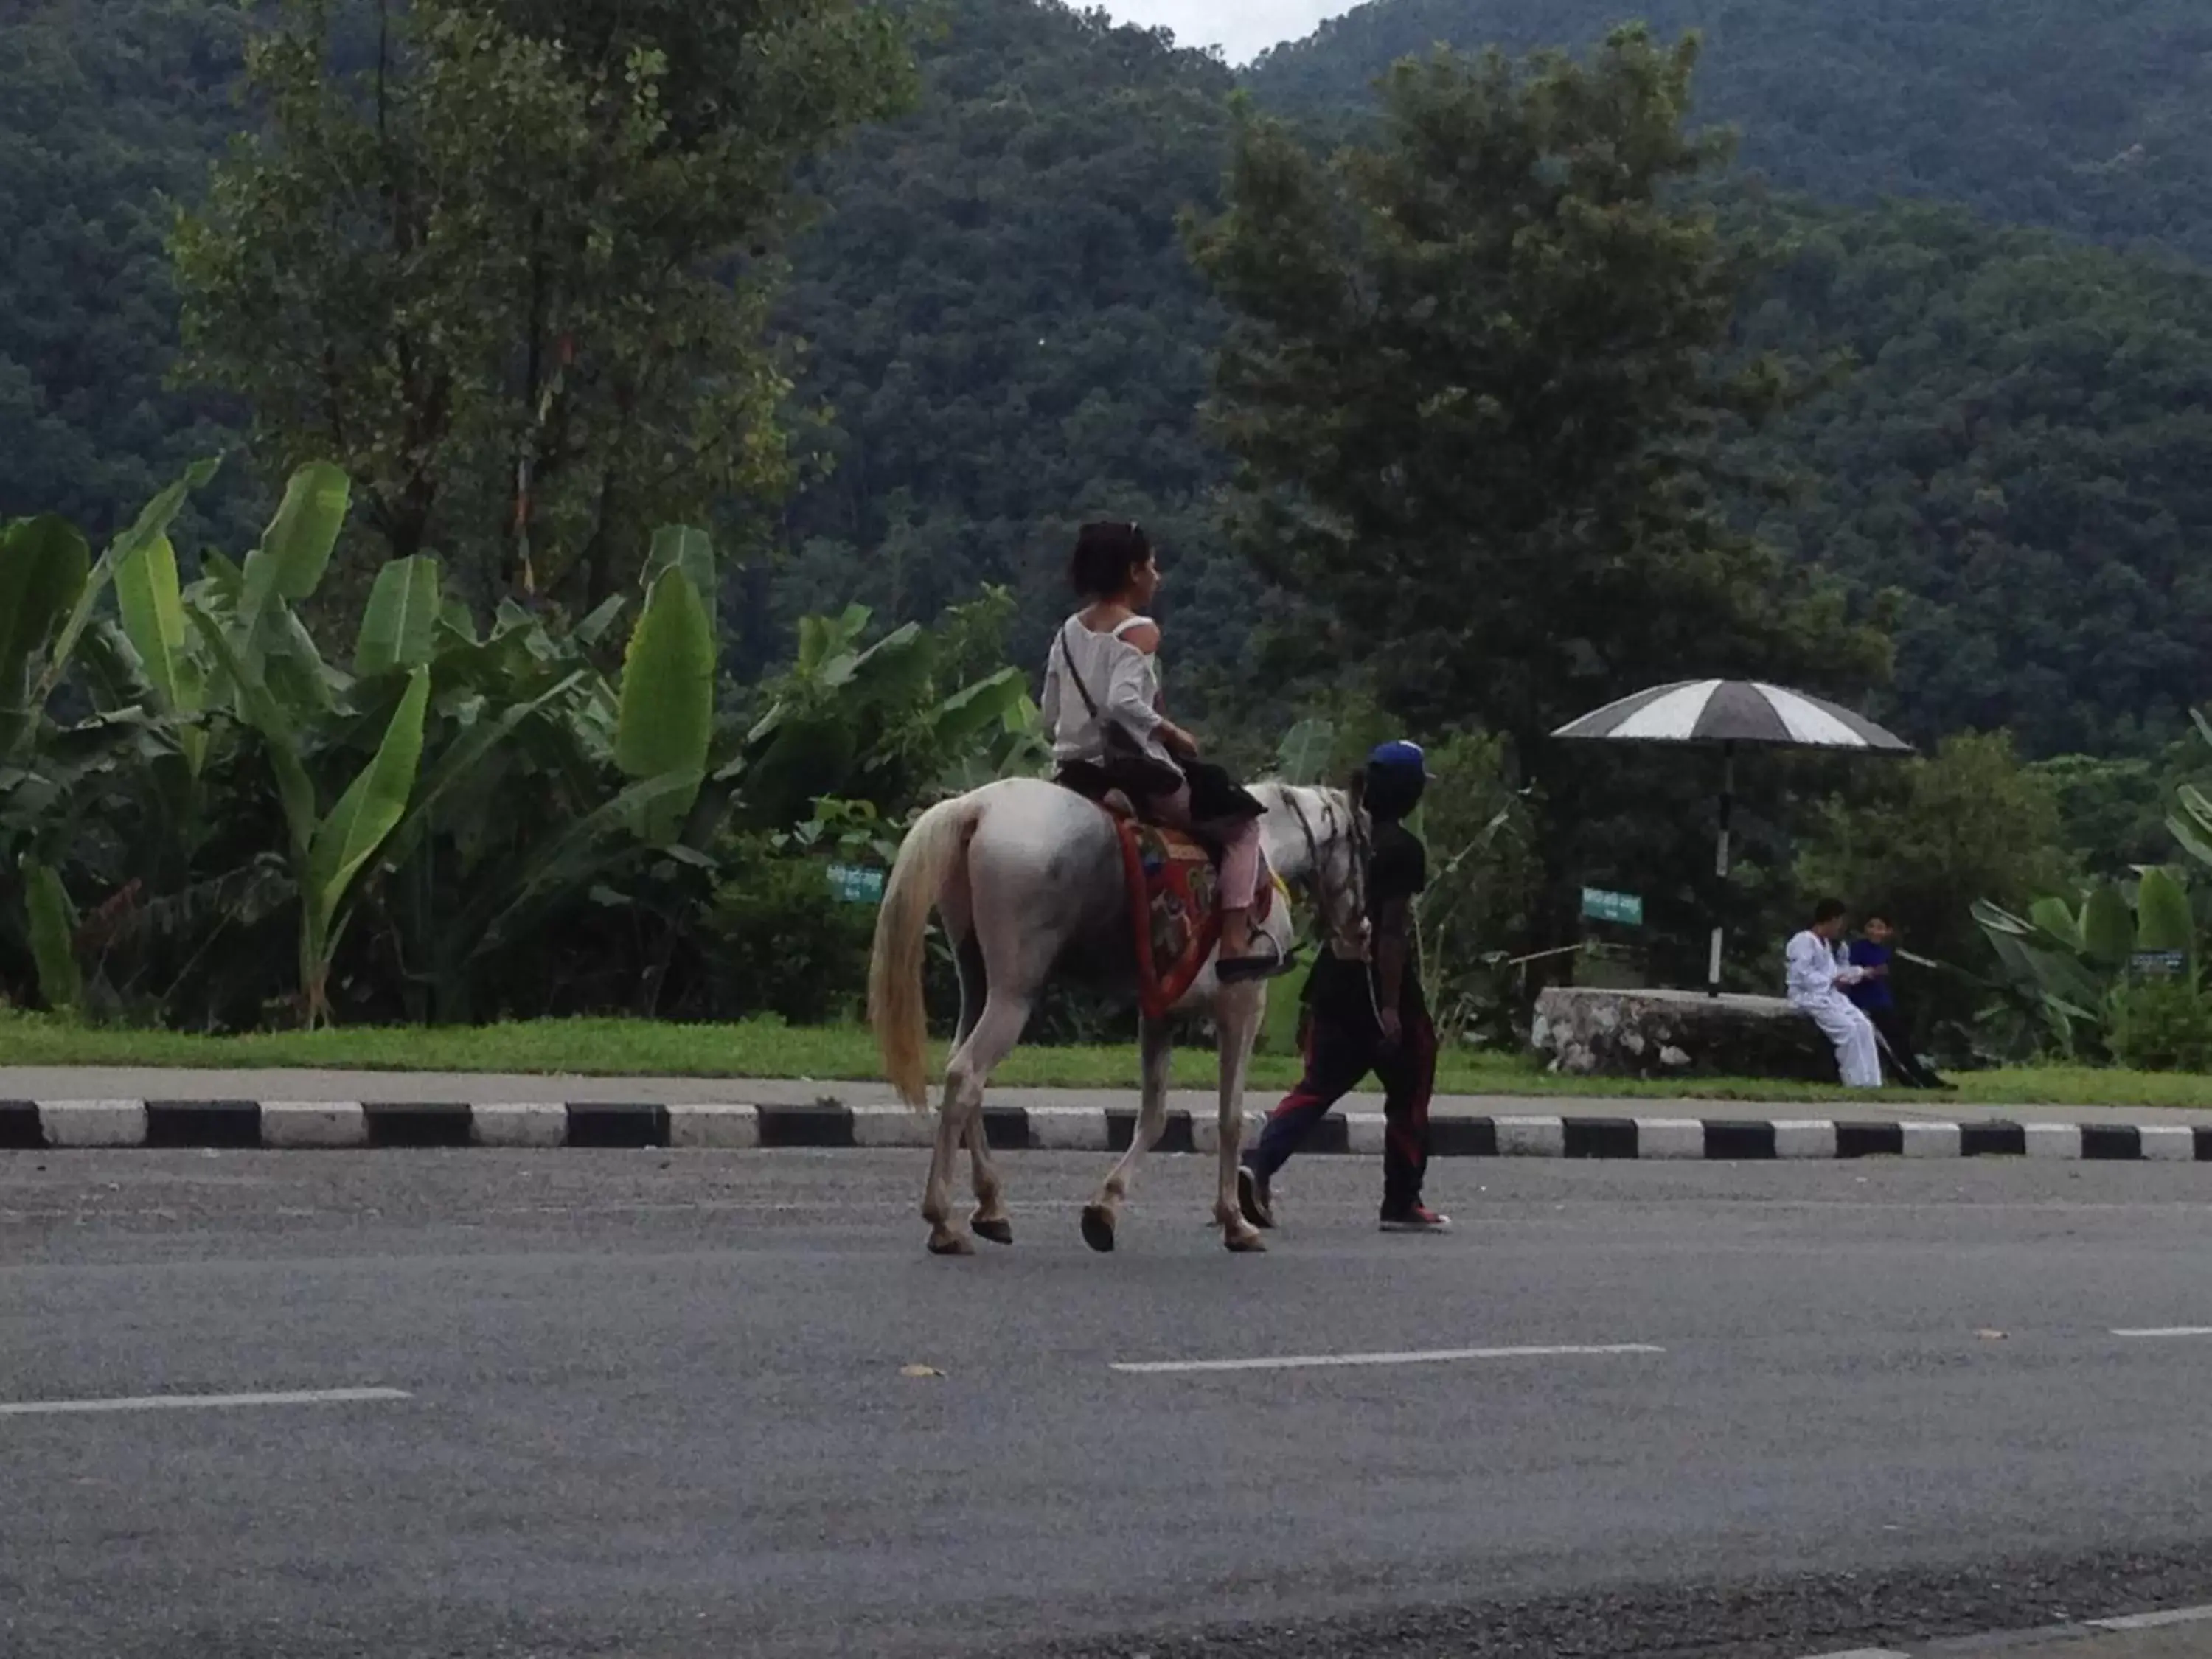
<point x="665" y="715"/>
<point x="2070" y="961"/>
<point x="326" y="850"/>
<point x="53" y="774"/>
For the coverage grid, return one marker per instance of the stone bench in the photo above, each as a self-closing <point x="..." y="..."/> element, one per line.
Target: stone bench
<point x="1585" y="1031"/>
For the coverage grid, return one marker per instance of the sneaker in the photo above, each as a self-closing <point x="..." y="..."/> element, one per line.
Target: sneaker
<point x="1254" y="1198"/>
<point x="1415" y="1219"/>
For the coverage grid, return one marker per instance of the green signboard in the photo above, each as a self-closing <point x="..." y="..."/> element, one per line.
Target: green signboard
<point x="857" y="883"/>
<point x="1626" y="909"/>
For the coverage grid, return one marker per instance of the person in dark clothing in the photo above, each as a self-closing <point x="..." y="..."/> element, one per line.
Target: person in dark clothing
<point x="1367" y="1015"/>
<point x="1878" y="1002"/>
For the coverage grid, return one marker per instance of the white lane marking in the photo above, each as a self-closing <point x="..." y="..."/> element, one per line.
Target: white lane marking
<point x="2168" y="1330"/>
<point x="1865" y="1653"/>
<point x="190" y="1402"/>
<point x="1428" y="1357"/>
<point x="2155" y="1620"/>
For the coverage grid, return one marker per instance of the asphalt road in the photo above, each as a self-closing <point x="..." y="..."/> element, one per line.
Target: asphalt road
<point x="658" y="1404"/>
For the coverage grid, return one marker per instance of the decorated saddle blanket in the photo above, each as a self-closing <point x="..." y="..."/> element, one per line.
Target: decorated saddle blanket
<point x="1175" y="909"/>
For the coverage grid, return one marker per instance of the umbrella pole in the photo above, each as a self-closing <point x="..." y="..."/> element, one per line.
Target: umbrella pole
<point x="1721" y="862"/>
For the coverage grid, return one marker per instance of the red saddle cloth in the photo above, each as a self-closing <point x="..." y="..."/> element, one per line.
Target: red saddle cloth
<point x="1175" y="909"/>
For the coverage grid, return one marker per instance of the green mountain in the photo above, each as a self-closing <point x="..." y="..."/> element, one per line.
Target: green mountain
<point x="1001" y="336"/>
<point x="2095" y="120"/>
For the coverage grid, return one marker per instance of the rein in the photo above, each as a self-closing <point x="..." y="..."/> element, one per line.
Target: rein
<point x="1325" y="896"/>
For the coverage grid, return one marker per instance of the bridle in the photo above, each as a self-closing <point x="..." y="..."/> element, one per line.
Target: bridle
<point x="1341" y="907"/>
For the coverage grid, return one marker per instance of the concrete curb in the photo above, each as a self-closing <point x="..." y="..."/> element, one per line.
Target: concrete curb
<point x="61" y="1125"/>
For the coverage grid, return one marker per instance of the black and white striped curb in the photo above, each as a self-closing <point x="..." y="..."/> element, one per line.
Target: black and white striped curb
<point x="64" y="1124"/>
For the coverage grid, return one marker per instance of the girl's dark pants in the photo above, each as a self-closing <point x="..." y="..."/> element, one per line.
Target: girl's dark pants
<point x="1339" y="1053"/>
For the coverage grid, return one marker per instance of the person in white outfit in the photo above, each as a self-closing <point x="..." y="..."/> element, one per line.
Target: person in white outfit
<point x="1817" y="975"/>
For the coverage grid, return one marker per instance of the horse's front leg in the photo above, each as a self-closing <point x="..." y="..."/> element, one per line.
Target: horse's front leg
<point x="1101" y="1215"/>
<point x="1238" y="1012"/>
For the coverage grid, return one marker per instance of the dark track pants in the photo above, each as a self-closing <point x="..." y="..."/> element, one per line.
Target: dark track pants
<point x="1339" y="1054"/>
<point x="1898" y="1041"/>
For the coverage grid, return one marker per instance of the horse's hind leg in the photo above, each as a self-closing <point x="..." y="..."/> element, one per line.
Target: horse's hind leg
<point x="990" y="1219"/>
<point x="997" y="1030"/>
<point x="1103" y="1212"/>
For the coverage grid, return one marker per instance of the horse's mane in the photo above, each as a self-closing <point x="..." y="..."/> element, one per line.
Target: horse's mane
<point x="1340" y="798"/>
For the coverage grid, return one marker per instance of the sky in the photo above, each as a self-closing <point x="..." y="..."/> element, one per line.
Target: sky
<point x="1242" y="29"/>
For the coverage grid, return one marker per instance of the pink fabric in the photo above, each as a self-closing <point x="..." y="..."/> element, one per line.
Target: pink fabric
<point x="1240" y="847"/>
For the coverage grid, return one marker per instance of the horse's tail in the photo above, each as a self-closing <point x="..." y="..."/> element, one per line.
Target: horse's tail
<point x="926" y="858"/>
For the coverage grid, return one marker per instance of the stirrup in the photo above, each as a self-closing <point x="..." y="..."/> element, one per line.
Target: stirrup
<point x="1236" y="970"/>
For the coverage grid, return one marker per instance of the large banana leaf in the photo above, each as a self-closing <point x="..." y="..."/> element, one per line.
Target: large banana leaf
<point x="295" y="548"/>
<point x="53" y="936"/>
<point x="979" y="706"/>
<point x="2056" y="918"/>
<point x="2108" y="930"/>
<point x="295" y="793"/>
<point x="2040" y="961"/>
<point x="153" y="609"/>
<point x="2163" y="921"/>
<point x="682" y="546"/>
<point x="371" y="807"/>
<point x="895" y="668"/>
<point x="664" y="718"/>
<point x="44" y="567"/>
<point x="153" y="519"/>
<point x="399" y="629"/>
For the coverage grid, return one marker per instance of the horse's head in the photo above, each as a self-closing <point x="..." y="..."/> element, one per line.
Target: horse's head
<point x="1317" y="839"/>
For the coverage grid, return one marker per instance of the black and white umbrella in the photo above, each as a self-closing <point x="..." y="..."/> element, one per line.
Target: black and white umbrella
<point x="1727" y="713"/>
<point x="1732" y="712"/>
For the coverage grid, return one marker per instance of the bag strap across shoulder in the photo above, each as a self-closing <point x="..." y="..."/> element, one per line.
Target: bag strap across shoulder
<point x="1076" y="674"/>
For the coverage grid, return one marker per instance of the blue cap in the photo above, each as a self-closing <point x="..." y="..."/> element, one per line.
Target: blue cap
<point x="1404" y="758"/>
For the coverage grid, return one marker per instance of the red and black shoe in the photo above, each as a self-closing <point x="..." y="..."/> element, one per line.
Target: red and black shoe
<point x="1414" y="1218"/>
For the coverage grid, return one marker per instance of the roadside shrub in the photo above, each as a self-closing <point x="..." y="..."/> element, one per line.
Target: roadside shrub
<point x="781" y="942"/>
<point x="2162" y="1025"/>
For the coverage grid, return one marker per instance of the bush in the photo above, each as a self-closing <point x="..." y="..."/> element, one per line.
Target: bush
<point x="780" y="941"/>
<point x="2162" y="1025"/>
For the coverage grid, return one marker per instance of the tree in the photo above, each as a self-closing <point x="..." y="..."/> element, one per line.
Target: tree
<point x="2019" y="112"/>
<point x="508" y="263"/>
<point x="1922" y="840"/>
<point x="1476" y="384"/>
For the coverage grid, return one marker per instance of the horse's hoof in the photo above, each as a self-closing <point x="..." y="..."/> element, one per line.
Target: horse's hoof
<point x="1098" y="1227"/>
<point x="1248" y="1243"/>
<point x="951" y="1244"/>
<point x="999" y="1230"/>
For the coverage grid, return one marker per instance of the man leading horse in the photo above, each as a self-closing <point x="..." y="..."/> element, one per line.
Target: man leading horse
<point x="1028" y="879"/>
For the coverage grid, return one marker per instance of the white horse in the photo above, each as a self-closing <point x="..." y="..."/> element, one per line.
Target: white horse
<point x="1029" y="879"/>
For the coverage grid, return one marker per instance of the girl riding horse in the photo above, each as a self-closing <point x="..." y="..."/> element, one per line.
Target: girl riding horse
<point x="1111" y="731"/>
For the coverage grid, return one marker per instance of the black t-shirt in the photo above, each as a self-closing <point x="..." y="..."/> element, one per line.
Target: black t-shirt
<point x="1397" y="869"/>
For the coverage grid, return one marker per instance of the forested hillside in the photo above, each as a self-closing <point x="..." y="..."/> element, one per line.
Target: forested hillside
<point x="109" y="110"/>
<point x="2025" y="451"/>
<point x="999" y="315"/>
<point x="2094" y="119"/>
<point x="999" y="333"/>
